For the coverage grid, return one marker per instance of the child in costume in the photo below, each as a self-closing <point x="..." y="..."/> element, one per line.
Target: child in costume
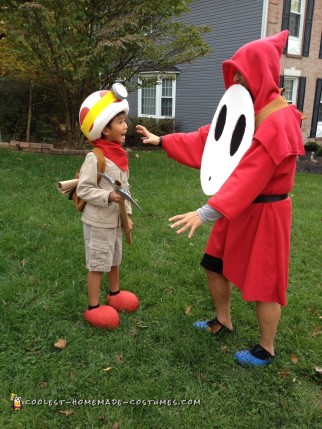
<point x="249" y="244"/>
<point x="103" y="121"/>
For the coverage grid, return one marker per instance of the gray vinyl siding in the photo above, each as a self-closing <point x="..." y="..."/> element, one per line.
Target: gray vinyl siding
<point x="200" y="84"/>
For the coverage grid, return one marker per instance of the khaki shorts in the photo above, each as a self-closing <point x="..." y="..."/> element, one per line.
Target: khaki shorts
<point x="103" y="248"/>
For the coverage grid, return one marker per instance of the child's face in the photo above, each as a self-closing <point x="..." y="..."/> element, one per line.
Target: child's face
<point x="239" y="78"/>
<point x="117" y="130"/>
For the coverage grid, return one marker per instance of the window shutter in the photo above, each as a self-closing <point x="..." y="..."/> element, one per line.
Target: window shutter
<point x="308" y="28"/>
<point x="316" y="106"/>
<point x="301" y="94"/>
<point x="282" y="81"/>
<point x="320" y="53"/>
<point x="286" y="18"/>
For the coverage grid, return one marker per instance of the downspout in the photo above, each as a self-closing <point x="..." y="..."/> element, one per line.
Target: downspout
<point x="264" y="18"/>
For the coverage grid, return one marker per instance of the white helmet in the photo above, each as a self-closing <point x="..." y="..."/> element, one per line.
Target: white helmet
<point x="100" y="107"/>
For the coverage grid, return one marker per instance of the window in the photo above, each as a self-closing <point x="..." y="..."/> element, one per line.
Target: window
<point x="320" y="111"/>
<point x="149" y="100"/>
<point x="319" y="124"/>
<point x="291" y="79"/>
<point x="295" y="18"/>
<point x="296" y="27"/>
<point x="316" y="126"/>
<point x="298" y="19"/>
<point x="156" y="96"/>
<point x="290" y="85"/>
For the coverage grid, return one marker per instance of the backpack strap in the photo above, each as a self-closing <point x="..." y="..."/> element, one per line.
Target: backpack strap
<point x="101" y="163"/>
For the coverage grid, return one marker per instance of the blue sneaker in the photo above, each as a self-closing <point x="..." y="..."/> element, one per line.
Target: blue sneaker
<point x="257" y="356"/>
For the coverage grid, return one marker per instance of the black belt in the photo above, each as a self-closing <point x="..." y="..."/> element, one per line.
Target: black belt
<point x="270" y="198"/>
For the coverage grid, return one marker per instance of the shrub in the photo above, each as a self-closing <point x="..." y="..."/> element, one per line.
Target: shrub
<point x="156" y="126"/>
<point x="312" y="147"/>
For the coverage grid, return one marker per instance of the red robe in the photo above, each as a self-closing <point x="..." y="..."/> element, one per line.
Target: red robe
<point x="253" y="239"/>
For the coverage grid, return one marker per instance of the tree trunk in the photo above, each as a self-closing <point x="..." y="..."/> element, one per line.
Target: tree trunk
<point x="29" y="112"/>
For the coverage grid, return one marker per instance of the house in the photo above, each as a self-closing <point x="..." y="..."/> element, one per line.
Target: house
<point x="190" y="93"/>
<point x="301" y="68"/>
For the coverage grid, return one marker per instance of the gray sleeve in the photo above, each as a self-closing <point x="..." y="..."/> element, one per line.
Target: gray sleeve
<point x="208" y="214"/>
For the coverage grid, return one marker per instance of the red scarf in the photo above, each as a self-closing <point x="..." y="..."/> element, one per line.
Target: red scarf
<point x="113" y="152"/>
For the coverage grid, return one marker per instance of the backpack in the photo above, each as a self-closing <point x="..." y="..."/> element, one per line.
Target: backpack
<point x="101" y="165"/>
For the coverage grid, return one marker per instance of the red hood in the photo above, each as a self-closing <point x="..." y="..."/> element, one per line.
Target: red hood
<point x="259" y="63"/>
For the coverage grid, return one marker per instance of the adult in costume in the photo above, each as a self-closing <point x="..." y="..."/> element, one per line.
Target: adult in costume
<point x="249" y="244"/>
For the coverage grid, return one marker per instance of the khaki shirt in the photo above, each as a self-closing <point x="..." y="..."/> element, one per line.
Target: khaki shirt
<point x="98" y="211"/>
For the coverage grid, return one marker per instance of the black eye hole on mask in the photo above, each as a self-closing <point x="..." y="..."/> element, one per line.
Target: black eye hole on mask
<point x="238" y="135"/>
<point x="221" y="121"/>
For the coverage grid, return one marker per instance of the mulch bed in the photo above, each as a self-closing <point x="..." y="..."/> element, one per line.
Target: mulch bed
<point x="305" y="165"/>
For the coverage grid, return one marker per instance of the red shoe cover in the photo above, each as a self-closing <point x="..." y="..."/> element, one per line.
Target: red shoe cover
<point x="124" y="301"/>
<point x="103" y="317"/>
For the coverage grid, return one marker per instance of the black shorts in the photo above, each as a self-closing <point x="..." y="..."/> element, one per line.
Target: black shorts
<point x="211" y="263"/>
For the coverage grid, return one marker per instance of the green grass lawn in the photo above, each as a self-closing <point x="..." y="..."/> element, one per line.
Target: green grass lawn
<point x="106" y="379"/>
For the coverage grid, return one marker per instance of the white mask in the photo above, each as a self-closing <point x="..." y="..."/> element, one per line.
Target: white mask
<point x="230" y="136"/>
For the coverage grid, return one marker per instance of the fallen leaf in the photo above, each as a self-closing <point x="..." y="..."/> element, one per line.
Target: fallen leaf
<point x="318" y="369"/>
<point x="317" y="331"/>
<point x="223" y="349"/>
<point x="294" y="359"/>
<point x="61" y="344"/>
<point x="107" y="369"/>
<point x="188" y="311"/>
<point x="118" y="358"/>
<point x="140" y="324"/>
<point x="284" y="373"/>
<point x="43" y="384"/>
<point x="201" y="377"/>
<point x="116" y="425"/>
<point x="66" y="412"/>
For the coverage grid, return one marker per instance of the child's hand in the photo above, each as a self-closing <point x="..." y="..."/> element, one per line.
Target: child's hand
<point x="114" y="197"/>
<point x="148" y="138"/>
<point x="129" y="228"/>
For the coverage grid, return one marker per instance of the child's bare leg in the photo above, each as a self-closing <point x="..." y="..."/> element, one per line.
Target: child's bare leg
<point x="121" y="300"/>
<point x="268" y="317"/>
<point x="93" y="287"/>
<point x="220" y="290"/>
<point x="114" y="279"/>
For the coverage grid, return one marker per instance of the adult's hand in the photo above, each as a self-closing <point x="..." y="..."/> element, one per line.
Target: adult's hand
<point x="186" y="221"/>
<point x="148" y="138"/>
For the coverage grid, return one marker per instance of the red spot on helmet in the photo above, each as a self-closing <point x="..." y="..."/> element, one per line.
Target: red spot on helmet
<point x="103" y="92"/>
<point x="82" y="114"/>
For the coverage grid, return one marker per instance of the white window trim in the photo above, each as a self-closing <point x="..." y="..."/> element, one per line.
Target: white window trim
<point x="295" y="88"/>
<point x="293" y="74"/>
<point x="294" y="46"/>
<point x="319" y="124"/>
<point x="160" y="76"/>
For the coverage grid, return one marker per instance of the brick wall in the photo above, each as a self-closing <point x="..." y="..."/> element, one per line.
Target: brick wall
<point x="39" y="148"/>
